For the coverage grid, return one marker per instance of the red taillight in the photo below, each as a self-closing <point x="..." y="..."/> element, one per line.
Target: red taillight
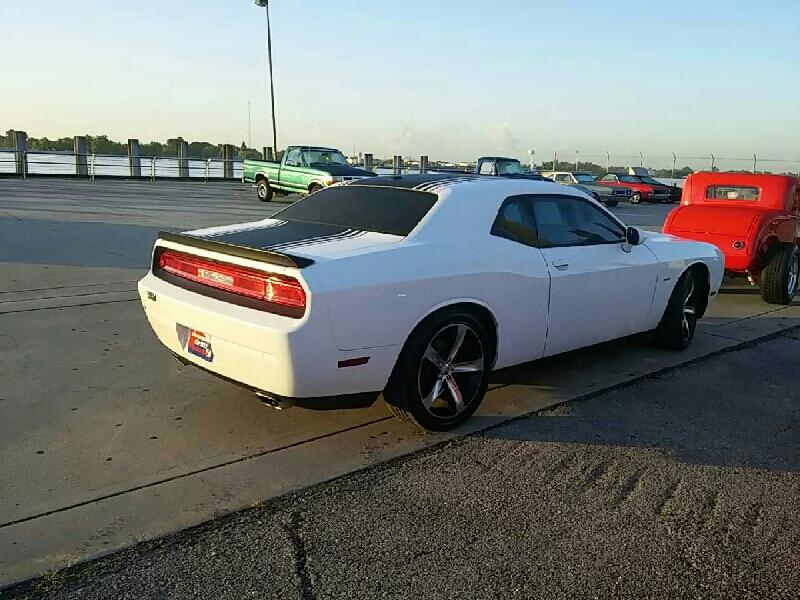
<point x="270" y="287"/>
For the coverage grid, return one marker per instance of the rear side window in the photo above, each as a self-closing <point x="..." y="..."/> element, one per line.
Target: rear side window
<point x="515" y="221"/>
<point x="379" y="209"/>
<point x="731" y="192"/>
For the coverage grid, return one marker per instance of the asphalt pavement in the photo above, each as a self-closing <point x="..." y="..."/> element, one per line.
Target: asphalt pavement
<point x="683" y="485"/>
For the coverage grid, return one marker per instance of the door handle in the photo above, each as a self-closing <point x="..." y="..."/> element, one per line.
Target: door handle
<point x="560" y="264"/>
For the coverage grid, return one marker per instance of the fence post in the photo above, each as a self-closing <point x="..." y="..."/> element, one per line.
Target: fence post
<point x="755" y="161"/>
<point x="21" y="153"/>
<point x="368" y="161"/>
<point x="674" y="161"/>
<point x="92" y="162"/>
<point x="134" y="159"/>
<point x="397" y="166"/>
<point x="423" y="164"/>
<point x="608" y="161"/>
<point x="713" y="162"/>
<point x="208" y="169"/>
<point x="576" y="160"/>
<point x="183" y="159"/>
<point x="153" y="168"/>
<point x="81" y="150"/>
<point x="227" y="161"/>
<point x="555" y="158"/>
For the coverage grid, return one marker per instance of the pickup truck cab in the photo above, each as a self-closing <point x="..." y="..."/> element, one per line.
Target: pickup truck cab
<point x="303" y="170"/>
<point x="499" y="166"/>
<point x="641" y="188"/>
<point x="608" y="195"/>
<point x="754" y="219"/>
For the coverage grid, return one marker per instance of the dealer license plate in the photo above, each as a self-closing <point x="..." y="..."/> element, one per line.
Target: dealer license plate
<point x="199" y="344"/>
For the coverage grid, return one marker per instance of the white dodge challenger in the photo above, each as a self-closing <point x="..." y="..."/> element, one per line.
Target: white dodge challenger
<point x="417" y="287"/>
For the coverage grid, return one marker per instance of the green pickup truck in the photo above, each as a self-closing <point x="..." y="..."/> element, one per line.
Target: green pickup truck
<point x="303" y="170"/>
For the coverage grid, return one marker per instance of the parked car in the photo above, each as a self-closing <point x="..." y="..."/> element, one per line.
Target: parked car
<point x="417" y="286"/>
<point x="640" y="190"/>
<point x="499" y="166"/>
<point x="303" y="169"/>
<point x="673" y="190"/>
<point x="753" y="218"/>
<point x="608" y="195"/>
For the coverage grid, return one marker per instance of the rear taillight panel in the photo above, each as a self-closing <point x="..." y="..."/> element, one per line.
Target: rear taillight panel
<point x="272" y="292"/>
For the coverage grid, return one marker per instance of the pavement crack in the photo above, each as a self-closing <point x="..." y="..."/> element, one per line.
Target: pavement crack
<point x="595" y="475"/>
<point x="295" y="532"/>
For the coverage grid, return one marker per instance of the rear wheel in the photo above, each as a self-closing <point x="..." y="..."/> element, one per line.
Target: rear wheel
<point x="780" y="274"/>
<point x="678" y="324"/>
<point x="636" y="198"/>
<point x="264" y="190"/>
<point x="612" y="203"/>
<point x="441" y="375"/>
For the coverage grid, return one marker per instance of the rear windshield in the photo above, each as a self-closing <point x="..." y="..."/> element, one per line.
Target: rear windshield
<point x="731" y="192"/>
<point x="378" y="209"/>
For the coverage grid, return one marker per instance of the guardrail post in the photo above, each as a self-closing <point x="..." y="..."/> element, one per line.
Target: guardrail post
<point x="227" y="161"/>
<point x="183" y="159"/>
<point x="21" y="153"/>
<point x="92" y="162"/>
<point x="208" y="169"/>
<point x="555" y="159"/>
<point x="81" y="150"/>
<point x="674" y="162"/>
<point x="153" y="168"/>
<point x="423" y="164"/>
<point x="608" y="161"/>
<point x="397" y="165"/>
<point x="134" y="159"/>
<point x="368" y="161"/>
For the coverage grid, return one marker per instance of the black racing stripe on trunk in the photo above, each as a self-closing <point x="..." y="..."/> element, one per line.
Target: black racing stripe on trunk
<point x="292" y="233"/>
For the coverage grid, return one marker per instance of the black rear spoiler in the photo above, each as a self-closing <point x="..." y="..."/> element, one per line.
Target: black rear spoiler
<point x="257" y="254"/>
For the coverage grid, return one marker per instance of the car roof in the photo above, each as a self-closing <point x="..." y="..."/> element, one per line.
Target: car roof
<point x="314" y="148"/>
<point x="498" y="158"/>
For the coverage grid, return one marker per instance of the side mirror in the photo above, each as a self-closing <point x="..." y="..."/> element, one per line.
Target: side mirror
<point x="632" y="236"/>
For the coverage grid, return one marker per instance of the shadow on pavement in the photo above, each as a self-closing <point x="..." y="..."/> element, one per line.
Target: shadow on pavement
<point x="739" y="409"/>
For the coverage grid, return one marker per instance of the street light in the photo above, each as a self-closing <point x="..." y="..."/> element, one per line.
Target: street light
<point x="265" y="4"/>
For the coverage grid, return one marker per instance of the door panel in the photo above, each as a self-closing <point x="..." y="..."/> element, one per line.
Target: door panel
<point x="597" y="293"/>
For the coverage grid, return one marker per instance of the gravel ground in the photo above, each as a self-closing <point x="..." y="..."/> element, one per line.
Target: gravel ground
<point x="680" y="486"/>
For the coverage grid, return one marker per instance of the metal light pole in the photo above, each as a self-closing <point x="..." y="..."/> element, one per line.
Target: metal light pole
<point x="265" y="4"/>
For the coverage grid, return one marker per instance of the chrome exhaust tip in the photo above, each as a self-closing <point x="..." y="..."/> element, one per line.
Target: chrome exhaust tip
<point x="273" y="402"/>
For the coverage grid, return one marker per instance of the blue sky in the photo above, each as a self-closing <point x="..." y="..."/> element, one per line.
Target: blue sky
<point x="446" y="78"/>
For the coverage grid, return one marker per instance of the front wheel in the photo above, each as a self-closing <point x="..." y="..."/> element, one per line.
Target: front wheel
<point x="678" y="324"/>
<point x="636" y="198"/>
<point x="780" y="274"/>
<point x="441" y="375"/>
<point x="314" y="187"/>
<point x="264" y="190"/>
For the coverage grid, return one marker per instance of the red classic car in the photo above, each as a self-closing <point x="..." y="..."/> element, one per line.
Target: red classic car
<point x="754" y="219"/>
<point x="642" y="188"/>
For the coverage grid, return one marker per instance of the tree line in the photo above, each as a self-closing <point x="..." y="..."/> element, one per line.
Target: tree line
<point x="101" y="144"/>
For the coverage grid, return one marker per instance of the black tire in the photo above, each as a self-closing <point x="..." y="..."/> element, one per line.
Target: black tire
<point x="679" y="321"/>
<point x="636" y="198"/>
<point x="417" y="370"/>
<point x="780" y="274"/>
<point x="264" y="190"/>
<point x="612" y="203"/>
<point x="314" y="187"/>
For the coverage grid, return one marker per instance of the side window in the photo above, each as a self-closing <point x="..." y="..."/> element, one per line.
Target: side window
<point x="611" y="178"/>
<point x="514" y="221"/>
<point x="487" y="168"/>
<point x="293" y="157"/>
<point x="562" y="177"/>
<point x="564" y="221"/>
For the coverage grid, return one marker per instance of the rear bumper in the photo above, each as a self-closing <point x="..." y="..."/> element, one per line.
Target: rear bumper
<point x="280" y="357"/>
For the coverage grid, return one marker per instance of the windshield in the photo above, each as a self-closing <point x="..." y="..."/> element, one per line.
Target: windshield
<point x="648" y="180"/>
<point x="509" y="167"/>
<point x="313" y="157"/>
<point x="584" y="178"/>
<point x="628" y="179"/>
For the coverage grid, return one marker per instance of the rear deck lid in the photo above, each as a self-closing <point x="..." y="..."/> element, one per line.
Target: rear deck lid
<point x="726" y="220"/>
